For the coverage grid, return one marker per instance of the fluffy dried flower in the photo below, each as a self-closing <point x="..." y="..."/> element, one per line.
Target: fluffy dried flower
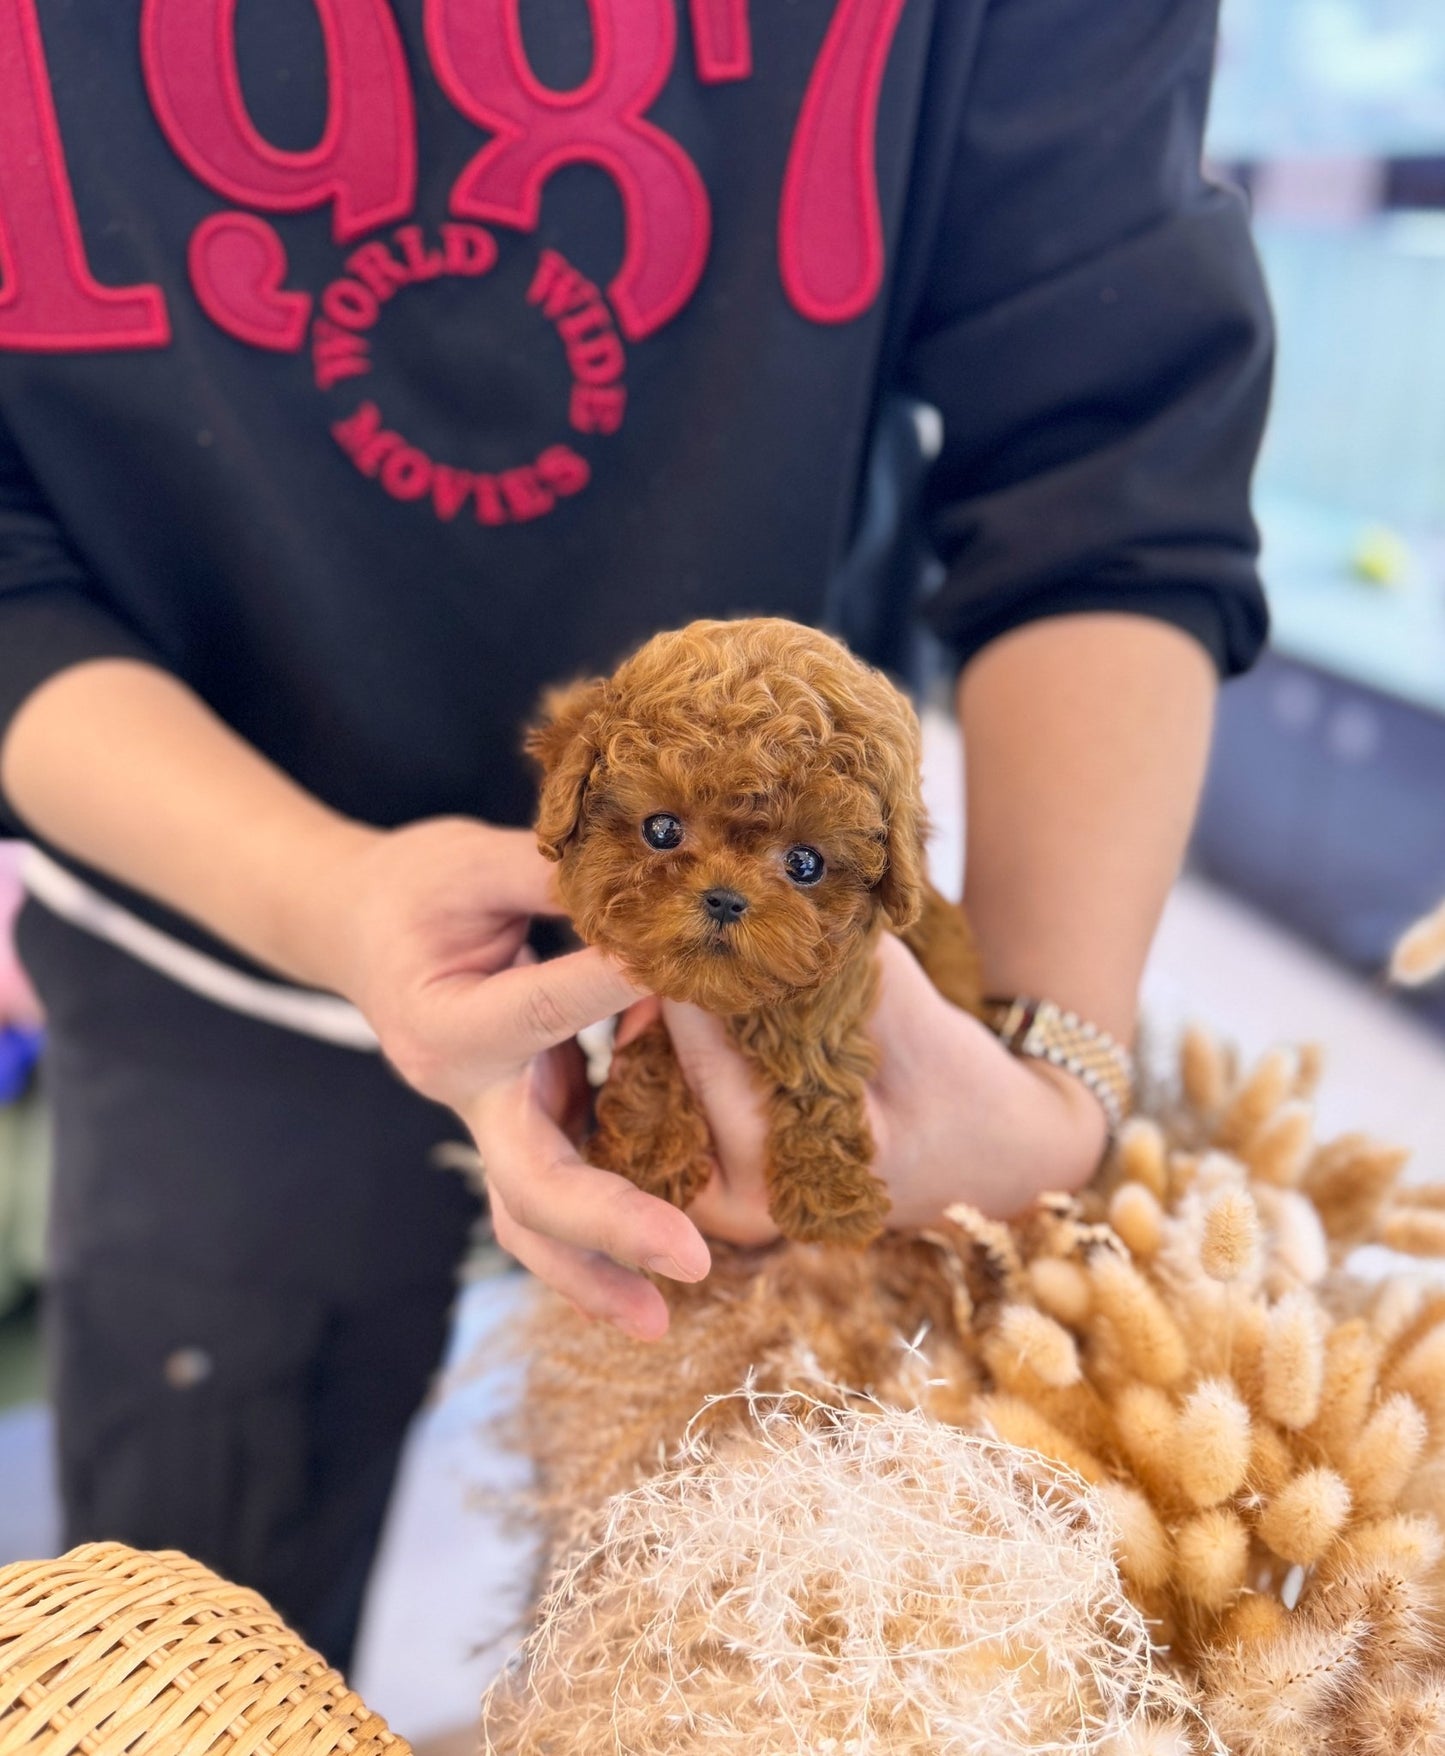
<point x="1420" y="954"/>
<point x="1061" y="1288"/>
<point x="1212" y="1552"/>
<point x="1279" y="1149"/>
<point x="1231" y="1236"/>
<point x="1025" y="1340"/>
<point x="1144" y="1329"/>
<point x="1203" y="1071"/>
<point x="1306" y="1516"/>
<point x="1294" y="1361"/>
<point x="1270" y="1084"/>
<point x="1212" y="1437"/>
<point x="1135" y="1214"/>
<point x="1414" y="1231"/>
<point x="1383" y="1458"/>
<point x="1140" y="1155"/>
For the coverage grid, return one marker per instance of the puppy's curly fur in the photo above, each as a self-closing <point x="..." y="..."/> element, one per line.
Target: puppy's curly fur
<point x="755" y="740"/>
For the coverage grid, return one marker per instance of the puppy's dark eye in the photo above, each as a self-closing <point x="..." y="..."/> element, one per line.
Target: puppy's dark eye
<point x="662" y="831"/>
<point x="803" y="865"/>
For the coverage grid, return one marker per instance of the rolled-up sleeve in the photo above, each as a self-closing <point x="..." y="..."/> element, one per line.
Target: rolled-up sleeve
<point x="52" y="616"/>
<point x="1095" y="333"/>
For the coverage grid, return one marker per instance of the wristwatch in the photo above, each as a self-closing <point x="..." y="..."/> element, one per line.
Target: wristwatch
<point x="1040" y="1031"/>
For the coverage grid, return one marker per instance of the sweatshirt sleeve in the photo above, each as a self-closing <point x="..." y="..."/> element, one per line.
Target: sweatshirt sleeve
<point x="1094" y="330"/>
<point x="51" y="615"/>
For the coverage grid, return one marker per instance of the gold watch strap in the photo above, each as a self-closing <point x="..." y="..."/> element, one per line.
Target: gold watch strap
<point x="1041" y="1031"/>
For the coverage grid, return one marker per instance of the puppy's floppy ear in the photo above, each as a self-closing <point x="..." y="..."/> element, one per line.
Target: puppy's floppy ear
<point x="894" y="767"/>
<point x="566" y="744"/>
<point x="902" y="886"/>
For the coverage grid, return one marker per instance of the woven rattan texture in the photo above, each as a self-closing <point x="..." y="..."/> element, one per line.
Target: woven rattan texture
<point x="109" y="1652"/>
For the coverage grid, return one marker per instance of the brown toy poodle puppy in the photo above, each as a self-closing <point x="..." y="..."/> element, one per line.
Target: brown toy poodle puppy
<point x="737" y="815"/>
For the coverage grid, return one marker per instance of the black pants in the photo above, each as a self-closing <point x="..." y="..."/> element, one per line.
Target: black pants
<point x="253" y="1262"/>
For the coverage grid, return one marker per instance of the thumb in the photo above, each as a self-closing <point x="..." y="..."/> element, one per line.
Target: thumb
<point x="725" y="1090"/>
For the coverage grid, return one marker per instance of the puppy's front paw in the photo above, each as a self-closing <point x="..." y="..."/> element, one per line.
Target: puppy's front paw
<point x="648" y="1128"/>
<point x="822" y="1192"/>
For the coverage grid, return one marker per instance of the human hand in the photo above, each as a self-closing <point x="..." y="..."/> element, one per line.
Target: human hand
<point x="954" y="1116"/>
<point x="426" y="935"/>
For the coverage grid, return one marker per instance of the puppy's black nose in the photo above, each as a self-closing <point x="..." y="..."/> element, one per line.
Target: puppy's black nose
<point x="725" y="906"/>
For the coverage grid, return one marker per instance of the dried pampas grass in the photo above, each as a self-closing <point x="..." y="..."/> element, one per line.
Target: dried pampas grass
<point x="827" y="1579"/>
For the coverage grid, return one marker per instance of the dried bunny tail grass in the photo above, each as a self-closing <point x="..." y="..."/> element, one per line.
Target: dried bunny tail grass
<point x="1155" y="1737"/>
<point x="1017" y="1422"/>
<point x="1349" y="1181"/>
<point x="1061" y="1288"/>
<point x="1383" y="1458"/>
<point x="1399" y="1716"/>
<point x="1212" y="1557"/>
<point x="1420" y="1372"/>
<point x="1310" y="1070"/>
<point x="1212" y="1437"/>
<point x="1270" y="1084"/>
<point x="1215" y="1171"/>
<point x="1138" y="1219"/>
<point x="1025" y="1342"/>
<point x="1351" y="1371"/>
<point x="1297" y="1250"/>
<point x="1140" y="1157"/>
<point x="1419" y="956"/>
<point x="1294" y="1361"/>
<point x="1256" y="1616"/>
<point x="837" y="1580"/>
<point x="1279" y="1149"/>
<point x="1203" y="1071"/>
<point x="1144" y="1551"/>
<point x="1146" y="1426"/>
<point x="1230" y="1245"/>
<point x="1414" y="1231"/>
<point x="1306" y="1516"/>
<point x="1274" y="1697"/>
<point x="1146" y="1333"/>
<point x="1395" y="1307"/>
<point x="995" y="1244"/>
<point x="1271" y="1461"/>
<point x="1408" y="1544"/>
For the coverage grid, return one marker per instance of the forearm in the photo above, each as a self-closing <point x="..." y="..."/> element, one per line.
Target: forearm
<point x="125" y="768"/>
<point x="1085" y="741"/>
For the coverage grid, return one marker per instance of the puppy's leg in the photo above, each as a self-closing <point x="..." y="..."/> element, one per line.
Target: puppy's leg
<point x="820" y="1187"/>
<point x="815" y="1060"/>
<point x="649" y="1130"/>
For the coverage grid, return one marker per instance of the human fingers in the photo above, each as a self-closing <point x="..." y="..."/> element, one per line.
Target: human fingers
<point x="723" y="1088"/>
<point x="636" y="1020"/>
<point x="525" y="1009"/>
<point x="593" y="1284"/>
<point x="734" y="1203"/>
<point x="547" y="1188"/>
<point x="518" y="878"/>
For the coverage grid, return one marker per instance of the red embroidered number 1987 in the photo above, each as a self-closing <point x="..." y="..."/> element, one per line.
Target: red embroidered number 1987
<point x="364" y="168"/>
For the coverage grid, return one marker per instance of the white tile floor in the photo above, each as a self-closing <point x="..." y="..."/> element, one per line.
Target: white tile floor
<point x="453" y="1573"/>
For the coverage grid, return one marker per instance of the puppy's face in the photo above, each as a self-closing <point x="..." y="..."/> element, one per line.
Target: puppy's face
<point x="733" y="811"/>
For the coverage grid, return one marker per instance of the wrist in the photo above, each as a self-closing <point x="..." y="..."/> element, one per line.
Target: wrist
<point x="310" y="927"/>
<point x="1077" y="1126"/>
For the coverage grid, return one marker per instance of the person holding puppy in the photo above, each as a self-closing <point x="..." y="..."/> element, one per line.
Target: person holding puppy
<point x="364" y="368"/>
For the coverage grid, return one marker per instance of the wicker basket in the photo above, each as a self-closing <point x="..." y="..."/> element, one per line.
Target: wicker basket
<point x="107" y="1651"/>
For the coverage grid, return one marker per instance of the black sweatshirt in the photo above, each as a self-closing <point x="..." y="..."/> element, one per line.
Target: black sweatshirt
<point x="369" y="363"/>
